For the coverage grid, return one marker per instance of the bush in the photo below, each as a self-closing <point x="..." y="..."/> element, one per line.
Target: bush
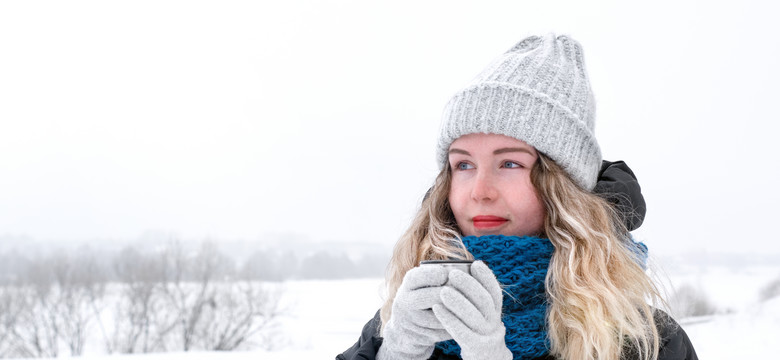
<point x="164" y="300"/>
<point x="688" y="301"/>
<point x="770" y="291"/>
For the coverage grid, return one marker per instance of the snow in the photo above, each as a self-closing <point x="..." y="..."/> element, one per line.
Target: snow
<point x="326" y="317"/>
<point x="730" y="288"/>
<point x="329" y="315"/>
<point x="750" y="334"/>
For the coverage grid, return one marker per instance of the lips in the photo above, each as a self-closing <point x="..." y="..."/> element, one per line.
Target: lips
<point x="488" y="221"/>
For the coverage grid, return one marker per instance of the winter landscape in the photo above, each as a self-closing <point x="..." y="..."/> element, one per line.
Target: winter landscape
<point x="194" y="302"/>
<point x="743" y="323"/>
<point x="225" y="180"/>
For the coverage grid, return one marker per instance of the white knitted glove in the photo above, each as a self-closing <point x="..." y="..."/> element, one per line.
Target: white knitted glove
<point x="413" y="330"/>
<point x="471" y="313"/>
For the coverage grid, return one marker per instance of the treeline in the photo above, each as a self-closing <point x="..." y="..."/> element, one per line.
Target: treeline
<point x="262" y="265"/>
<point x="136" y="301"/>
<point x="154" y="297"/>
<point x="273" y="265"/>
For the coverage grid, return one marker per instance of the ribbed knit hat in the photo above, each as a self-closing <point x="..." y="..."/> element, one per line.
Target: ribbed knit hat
<point x="537" y="92"/>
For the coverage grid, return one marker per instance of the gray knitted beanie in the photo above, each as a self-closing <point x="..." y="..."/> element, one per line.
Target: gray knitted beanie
<point x="537" y="92"/>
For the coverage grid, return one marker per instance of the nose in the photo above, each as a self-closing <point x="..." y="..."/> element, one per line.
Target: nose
<point x="484" y="187"/>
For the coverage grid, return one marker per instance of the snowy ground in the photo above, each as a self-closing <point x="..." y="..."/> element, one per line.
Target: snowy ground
<point x="326" y="317"/>
<point x="746" y="327"/>
<point x="748" y="334"/>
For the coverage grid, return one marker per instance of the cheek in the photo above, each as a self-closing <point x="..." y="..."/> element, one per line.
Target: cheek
<point x="537" y="212"/>
<point x="527" y="204"/>
<point x="457" y="202"/>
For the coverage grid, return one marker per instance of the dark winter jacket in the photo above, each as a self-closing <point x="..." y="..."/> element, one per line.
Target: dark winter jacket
<point x="675" y="344"/>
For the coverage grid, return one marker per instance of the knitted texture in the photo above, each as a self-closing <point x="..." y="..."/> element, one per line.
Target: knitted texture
<point x="537" y="92"/>
<point x="520" y="265"/>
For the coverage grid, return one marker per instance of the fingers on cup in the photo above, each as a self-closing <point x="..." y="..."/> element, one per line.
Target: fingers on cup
<point x="466" y="312"/>
<point x="473" y="292"/>
<point x="424" y="276"/>
<point x="421" y="299"/>
<point x="426" y="321"/>
<point x="485" y="276"/>
<point x="454" y="326"/>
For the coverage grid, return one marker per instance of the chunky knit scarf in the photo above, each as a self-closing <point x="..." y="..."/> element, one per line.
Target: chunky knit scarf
<point x="520" y="265"/>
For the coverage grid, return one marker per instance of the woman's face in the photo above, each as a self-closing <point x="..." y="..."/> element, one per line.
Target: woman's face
<point x="491" y="191"/>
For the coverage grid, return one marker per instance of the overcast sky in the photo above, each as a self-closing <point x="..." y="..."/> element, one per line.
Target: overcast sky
<point x="318" y="119"/>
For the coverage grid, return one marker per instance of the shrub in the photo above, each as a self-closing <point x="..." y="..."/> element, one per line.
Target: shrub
<point x="770" y="290"/>
<point x="688" y="301"/>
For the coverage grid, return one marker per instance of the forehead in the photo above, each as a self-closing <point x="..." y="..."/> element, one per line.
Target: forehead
<point x="489" y="142"/>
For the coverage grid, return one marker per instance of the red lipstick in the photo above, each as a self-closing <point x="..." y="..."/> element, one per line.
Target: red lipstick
<point x="488" y="221"/>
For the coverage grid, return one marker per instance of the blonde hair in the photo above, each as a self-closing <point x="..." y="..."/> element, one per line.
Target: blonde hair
<point x="597" y="292"/>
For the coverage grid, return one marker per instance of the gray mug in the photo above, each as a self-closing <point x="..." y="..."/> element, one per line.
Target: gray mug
<point x="462" y="265"/>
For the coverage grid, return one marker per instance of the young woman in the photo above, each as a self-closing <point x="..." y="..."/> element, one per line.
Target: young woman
<point x="556" y="274"/>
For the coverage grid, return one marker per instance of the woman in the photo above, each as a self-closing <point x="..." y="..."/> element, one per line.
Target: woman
<point x="556" y="275"/>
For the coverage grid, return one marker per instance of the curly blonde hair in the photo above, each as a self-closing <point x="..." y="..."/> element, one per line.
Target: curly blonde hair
<point x="599" y="296"/>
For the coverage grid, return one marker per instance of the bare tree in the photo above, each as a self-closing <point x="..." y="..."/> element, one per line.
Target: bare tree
<point x="37" y="328"/>
<point x="141" y="320"/>
<point x="170" y="299"/>
<point x="240" y="311"/>
<point x="190" y="298"/>
<point x="215" y="312"/>
<point x="54" y="305"/>
<point x="80" y="286"/>
<point x="12" y="305"/>
<point x="164" y="296"/>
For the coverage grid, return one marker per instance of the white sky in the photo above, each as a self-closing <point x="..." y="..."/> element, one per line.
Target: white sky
<point x="318" y="119"/>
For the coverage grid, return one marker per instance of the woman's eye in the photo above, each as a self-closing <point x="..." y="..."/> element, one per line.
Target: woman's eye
<point x="464" y="166"/>
<point x="511" y="165"/>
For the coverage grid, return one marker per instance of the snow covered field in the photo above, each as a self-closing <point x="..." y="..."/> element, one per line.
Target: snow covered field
<point x="326" y="317"/>
<point x="745" y="327"/>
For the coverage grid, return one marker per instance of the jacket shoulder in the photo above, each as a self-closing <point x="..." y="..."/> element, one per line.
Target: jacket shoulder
<point x="368" y="344"/>
<point x="674" y="342"/>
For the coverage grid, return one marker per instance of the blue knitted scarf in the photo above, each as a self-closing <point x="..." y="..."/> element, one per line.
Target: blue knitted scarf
<point x="520" y="265"/>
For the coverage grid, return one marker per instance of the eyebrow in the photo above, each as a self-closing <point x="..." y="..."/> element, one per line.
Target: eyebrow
<point x="495" y="152"/>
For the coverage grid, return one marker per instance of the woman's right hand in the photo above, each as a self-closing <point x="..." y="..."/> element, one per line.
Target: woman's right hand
<point x="413" y="330"/>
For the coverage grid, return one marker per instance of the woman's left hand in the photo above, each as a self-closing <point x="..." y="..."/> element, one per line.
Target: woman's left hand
<point x="471" y="313"/>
